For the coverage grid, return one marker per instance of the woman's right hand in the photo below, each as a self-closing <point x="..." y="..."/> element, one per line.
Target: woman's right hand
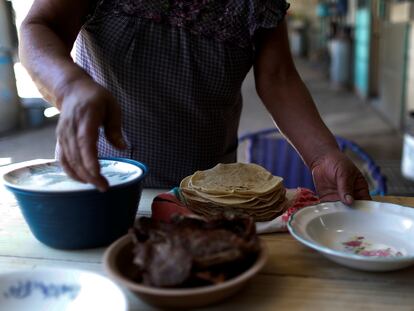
<point x="85" y="107"/>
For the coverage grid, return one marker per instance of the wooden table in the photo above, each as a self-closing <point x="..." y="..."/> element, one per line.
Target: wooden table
<point x="295" y="277"/>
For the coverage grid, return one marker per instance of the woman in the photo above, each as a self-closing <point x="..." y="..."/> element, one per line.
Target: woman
<point x="159" y="81"/>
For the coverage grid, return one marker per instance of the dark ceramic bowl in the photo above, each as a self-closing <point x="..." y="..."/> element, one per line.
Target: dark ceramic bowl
<point x="65" y="214"/>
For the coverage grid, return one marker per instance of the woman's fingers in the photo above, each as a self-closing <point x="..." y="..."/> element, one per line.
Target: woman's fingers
<point x="65" y="164"/>
<point x="65" y="157"/>
<point x="345" y="184"/>
<point x="77" y="136"/>
<point x="79" y="160"/>
<point x="337" y="178"/>
<point x="361" y="189"/>
<point x="87" y="137"/>
<point x="329" y="197"/>
<point x="85" y="108"/>
<point x="73" y="155"/>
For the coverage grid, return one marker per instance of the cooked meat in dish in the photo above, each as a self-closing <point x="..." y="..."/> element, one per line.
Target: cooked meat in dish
<point x="193" y="252"/>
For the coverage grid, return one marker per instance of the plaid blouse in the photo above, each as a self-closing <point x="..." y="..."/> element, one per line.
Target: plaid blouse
<point x="176" y="68"/>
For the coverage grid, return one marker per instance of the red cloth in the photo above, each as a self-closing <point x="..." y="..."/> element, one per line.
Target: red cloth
<point x="169" y="203"/>
<point x="303" y="198"/>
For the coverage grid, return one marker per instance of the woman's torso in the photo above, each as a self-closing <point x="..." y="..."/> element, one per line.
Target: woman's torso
<point x="176" y="69"/>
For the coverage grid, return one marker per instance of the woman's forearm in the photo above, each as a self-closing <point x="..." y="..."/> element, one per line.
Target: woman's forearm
<point x="292" y="108"/>
<point x="287" y="98"/>
<point x="48" y="61"/>
<point x="46" y="41"/>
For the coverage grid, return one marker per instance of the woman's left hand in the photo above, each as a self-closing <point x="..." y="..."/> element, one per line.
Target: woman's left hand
<point x="336" y="178"/>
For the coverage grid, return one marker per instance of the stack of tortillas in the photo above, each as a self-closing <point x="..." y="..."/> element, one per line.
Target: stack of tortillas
<point x="237" y="187"/>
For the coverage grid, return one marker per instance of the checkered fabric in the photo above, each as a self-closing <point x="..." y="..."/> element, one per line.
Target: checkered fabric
<point x="230" y="21"/>
<point x="180" y="91"/>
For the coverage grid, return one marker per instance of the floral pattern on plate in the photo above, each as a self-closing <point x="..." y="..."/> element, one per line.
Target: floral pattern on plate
<point x="358" y="245"/>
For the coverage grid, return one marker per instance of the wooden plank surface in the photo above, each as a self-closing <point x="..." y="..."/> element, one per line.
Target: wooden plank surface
<point x="269" y="293"/>
<point x="275" y="292"/>
<point x="294" y="278"/>
<point x="406" y="201"/>
<point x="290" y="258"/>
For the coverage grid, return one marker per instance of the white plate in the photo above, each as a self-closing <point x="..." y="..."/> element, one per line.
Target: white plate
<point x="51" y="177"/>
<point x="59" y="290"/>
<point x="368" y="235"/>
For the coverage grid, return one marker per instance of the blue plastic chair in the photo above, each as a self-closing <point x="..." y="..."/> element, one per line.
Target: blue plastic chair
<point x="271" y="150"/>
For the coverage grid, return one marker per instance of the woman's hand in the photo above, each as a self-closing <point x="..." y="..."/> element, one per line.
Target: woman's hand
<point x="85" y="106"/>
<point x="47" y="36"/>
<point x="337" y="178"/>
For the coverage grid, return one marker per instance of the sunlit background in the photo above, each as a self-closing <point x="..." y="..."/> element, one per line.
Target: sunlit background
<point x="25" y="86"/>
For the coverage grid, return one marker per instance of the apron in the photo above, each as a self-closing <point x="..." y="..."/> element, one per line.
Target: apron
<point x="176" y="69"/>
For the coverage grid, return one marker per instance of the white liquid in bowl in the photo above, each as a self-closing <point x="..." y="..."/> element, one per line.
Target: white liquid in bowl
<point x="51" y="177"/>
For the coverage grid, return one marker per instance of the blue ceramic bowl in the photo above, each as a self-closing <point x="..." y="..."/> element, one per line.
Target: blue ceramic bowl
<point x="65" y="214"/>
